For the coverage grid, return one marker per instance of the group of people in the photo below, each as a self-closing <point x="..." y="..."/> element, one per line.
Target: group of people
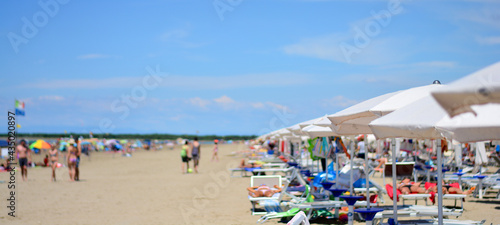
<point x="73" y="152"/>
<point x="191" y="151"/>
<point x="407" y="187"/>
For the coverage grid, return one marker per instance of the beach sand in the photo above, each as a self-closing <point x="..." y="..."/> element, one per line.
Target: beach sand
<point x="149" y="188"/>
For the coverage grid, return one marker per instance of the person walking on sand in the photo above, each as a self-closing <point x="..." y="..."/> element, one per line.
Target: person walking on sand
<point x="184" y="156"/>
<point x="72" y="159"/>
<point x="54" y="158"/>
<point x="23" y="153"/>
<point x="195" y="153"/>
<point x="216" y="149"/>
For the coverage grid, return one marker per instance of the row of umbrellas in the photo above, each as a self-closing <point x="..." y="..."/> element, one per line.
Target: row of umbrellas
<point x="467" y="110"/>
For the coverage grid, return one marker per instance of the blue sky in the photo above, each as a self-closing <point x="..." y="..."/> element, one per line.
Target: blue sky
<point x="227" y="66"/>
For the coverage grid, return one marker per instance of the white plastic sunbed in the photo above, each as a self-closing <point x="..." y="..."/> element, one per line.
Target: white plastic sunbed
<point x="299" y="219"/>
<point x="286" y="171"/>
<point x="415" y="197"/>
<point x="269" y="181"/>
<point x="416" y="211"/>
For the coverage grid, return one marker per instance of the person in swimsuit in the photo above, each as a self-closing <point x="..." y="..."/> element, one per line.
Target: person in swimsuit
<point x="23" y="153"/>
<point x="184" y="156"/>
<point x="216" y="149"/>
<point x="78" y="154"/>
<point x="54" y="157"/>
<point x="195" y="153"/>
<point x="72" y="159"/>
<point x="406" y="187"/>
<point x="448" y="189"/>
<point x="262" y="191"/>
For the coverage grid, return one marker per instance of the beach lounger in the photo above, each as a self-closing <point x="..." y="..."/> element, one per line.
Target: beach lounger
<point x="455" y="197"/>
<point x="299" y="219"/>
<point x="243" y="172"/>
<point x="285" y="171"/>
<point x="418" y="212"/>
<point x="270" y="203"/>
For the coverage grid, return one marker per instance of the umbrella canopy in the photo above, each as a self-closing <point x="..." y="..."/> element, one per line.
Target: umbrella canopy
<point x="318" y="131"/>
<point x="111" y="142"/>
<point x="425" y="119"/>
<point x="40" y="144"/>
<point x="355" y="119"/>
<point x="478" y="88"/>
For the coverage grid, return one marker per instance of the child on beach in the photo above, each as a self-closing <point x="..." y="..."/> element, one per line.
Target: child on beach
<point x="216" y="149"/>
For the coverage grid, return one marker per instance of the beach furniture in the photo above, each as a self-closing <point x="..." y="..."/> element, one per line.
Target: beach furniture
<point x="270" y="203"/>
<point x="285" y="171"/>
<point x="415" y="196"/>
<point x="299" y="219"/>
<point x="455" y="197"/>
<point x="419" y="213"/>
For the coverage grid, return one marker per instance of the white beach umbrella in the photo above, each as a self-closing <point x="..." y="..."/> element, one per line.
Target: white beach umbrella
<point x="295" y="129"/>
<point x="478" y="88"/>
<point x="355" y="119"/>
<point x="317" y="131"/>
<point x="425" y="119"/>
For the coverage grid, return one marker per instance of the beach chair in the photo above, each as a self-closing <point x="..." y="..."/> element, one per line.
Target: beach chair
<point x="291" y="212"/>
<point x="285" y="171"/>
<point x="403" y="169"/>
<point x="299" y="219"/>
<point x="270" y="203"/>
<point x="455" y="197"/>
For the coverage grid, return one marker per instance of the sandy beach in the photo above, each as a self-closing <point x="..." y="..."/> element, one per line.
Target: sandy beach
<point x="149" y="188"/>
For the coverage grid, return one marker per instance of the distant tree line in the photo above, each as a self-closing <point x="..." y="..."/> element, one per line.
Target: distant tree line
<point x="137" y="136"/>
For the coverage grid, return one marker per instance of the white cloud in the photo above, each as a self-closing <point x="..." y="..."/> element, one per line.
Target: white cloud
<point x="258" y="105"/>
<point x="51" y="98"/>
<point x="278" y="106"/>
<point x="224" y="100"/>
<point x="488" y="40"/>
<point x="339" y="100"/>
<point x="93" y="56"/>
<point x="341" y="47"/>
<point x="197" y="101"/>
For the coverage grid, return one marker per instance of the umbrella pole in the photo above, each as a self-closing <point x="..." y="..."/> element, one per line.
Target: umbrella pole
<point x="351" y="190"/>
<point x="394" y="183"/>
<point x="367" y="169"/>
<point x="440" y="184"/>
<point x="415" y="156"/>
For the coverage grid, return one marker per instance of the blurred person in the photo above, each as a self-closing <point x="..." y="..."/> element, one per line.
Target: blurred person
<point x="215" y="150"/>
<point x="195" y="153"/>
<point x="184" y="156"/>
<point x="361" y="148"/>
<point x="54" y="158"/>
<point x="262" y="191"/>
<point x="72" y="159"/>
<point x="407" y="187"/>
<point x="23" y="153"/>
